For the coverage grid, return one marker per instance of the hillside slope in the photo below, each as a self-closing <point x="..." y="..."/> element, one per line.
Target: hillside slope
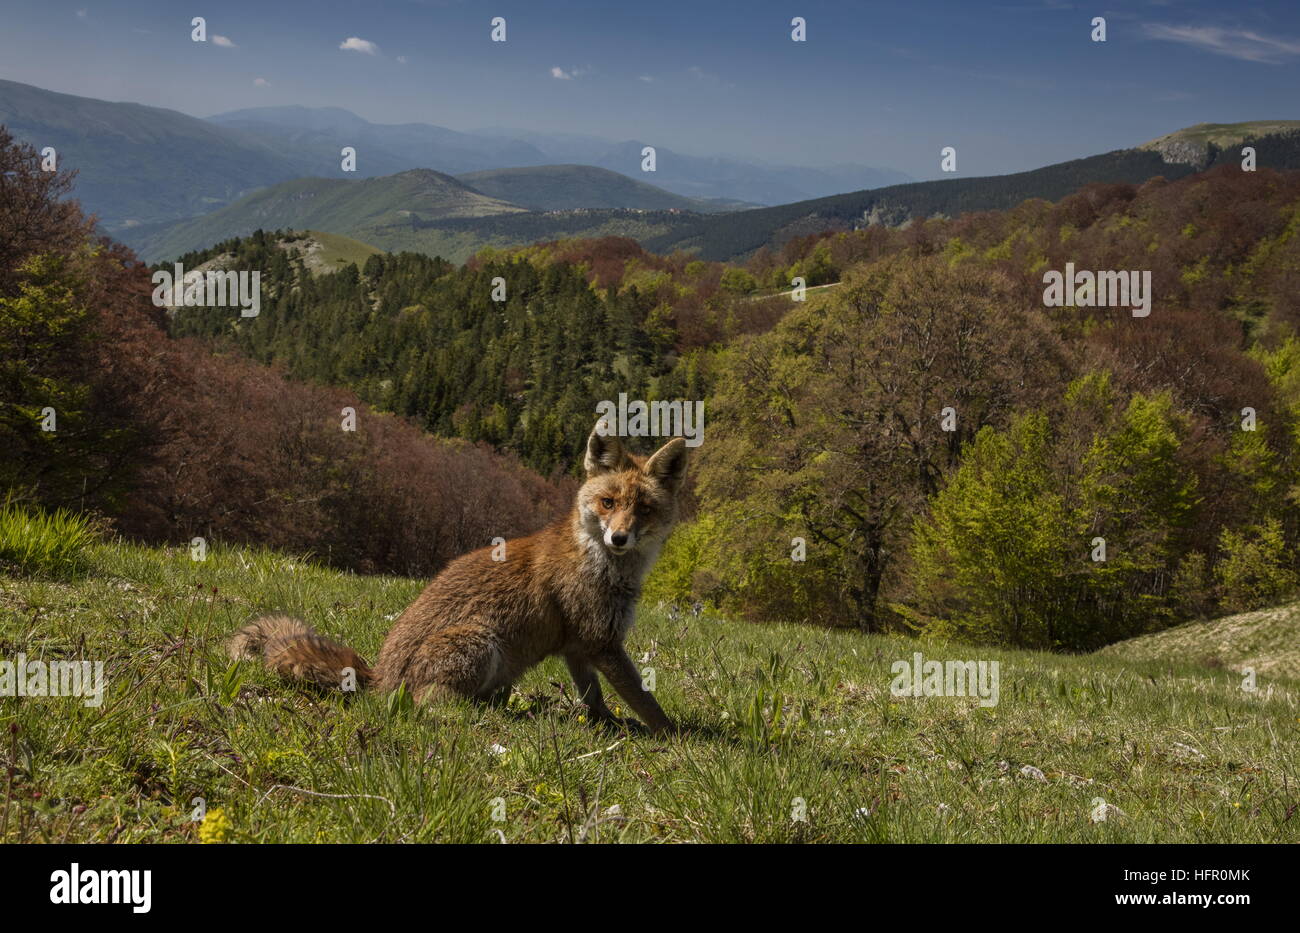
<point x="770" y="713"/>
<point x="372" y="210"/>
<point x="1267" y="640"/>
<point x="566" y="187"/>
<point x="141" y="165"/>
<point x="727" y="237"/>
<point x="323" y="253"/>
<point x="1198" y="145"/>
<point x="526" y="205"/>
<point x="313" y="137"/>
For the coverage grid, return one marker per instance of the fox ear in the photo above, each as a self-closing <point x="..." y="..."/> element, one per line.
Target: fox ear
<point x="605" y="454"/>
<point x="668" y="465"/>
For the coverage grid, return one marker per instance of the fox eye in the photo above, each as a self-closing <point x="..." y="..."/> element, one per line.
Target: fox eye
<point x="607" y="502"/>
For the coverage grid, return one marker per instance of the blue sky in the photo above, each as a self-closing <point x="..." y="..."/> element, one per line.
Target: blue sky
<point x="1013" y="85"/>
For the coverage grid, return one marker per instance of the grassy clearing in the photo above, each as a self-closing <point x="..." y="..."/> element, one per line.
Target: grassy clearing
<point x="1267" y="640"/>
<point x="774" y="716"/>
<point x="329" y="252"/>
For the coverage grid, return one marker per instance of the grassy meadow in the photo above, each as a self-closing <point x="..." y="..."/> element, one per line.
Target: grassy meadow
<point x="790" y="734"/>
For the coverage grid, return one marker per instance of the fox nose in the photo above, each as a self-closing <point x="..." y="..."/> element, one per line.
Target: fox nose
<point x="618" y="538"/>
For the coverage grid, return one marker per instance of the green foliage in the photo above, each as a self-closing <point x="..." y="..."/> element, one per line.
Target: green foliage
<point x="39" y="543"/>
<point x="817" y="268"/>
<point x="44" y="332"/>
<point x="714" y="560"/>
<point x="672" y="581"/>
<point x="1008" y="552"/>
<point x="828" y="428"/>
<point x="1282" y="365"/>
<point x="422" y="338"/>
<point x="40" y="327"/>
<point x="738" y="280"/>
<point x="1256" y="568"/>
<point x="1191" y="590"/>
<point x="995" y="539"/>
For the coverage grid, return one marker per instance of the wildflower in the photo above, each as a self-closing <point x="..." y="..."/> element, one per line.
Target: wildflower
<point x="215" y="827"/>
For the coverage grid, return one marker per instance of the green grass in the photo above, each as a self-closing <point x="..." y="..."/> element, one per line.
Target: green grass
<point x="329" y="252"/>
<point x="50" y="544"/>
<point x="1226" y="134"/>
<point x="773" y="715"/>
<point x="1267" y="640"/>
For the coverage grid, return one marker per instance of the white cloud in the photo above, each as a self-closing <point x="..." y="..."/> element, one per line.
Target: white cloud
<point x="223" y="42"/>
<point x="401" y="59"/>
<point x="82" y="14"/>
<point x="261" y="82"/>
<point x="708" y="77"/>
<point x="353" y="44"/>
<point x="648" y="79"/>
<point x="1242" y="44"/>
<point x="560" y="74"/>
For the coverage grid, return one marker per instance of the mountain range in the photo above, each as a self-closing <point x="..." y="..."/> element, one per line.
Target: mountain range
<point x="167" y="184"/>
<point x="1185" y="152"/>
<point x="142" y="166"/>
<point x="427" y="211"/>
<point x="455" y="217"/>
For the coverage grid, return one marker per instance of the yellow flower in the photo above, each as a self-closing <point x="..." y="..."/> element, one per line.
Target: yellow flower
<point x="215" y="827"/>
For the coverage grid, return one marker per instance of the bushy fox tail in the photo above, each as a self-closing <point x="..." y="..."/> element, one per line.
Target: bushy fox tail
<point x="292" y="649"/>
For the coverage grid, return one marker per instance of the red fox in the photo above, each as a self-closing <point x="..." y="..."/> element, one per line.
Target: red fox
<point x="569" y="590"/>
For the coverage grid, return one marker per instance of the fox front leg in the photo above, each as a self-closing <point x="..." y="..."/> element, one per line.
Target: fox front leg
<point x="626" y="679"/>
<point x="588" y="685"/>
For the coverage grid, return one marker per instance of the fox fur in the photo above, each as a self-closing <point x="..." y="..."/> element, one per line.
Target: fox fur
<point x="570" y="590"/>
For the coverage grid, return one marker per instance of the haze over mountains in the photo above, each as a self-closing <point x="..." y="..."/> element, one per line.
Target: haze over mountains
<point x="144" y="166"/>
<point x="1277" y="145"/>
<point x="413" y="145"/>
<point x="314" y="136"/>
<point x="437" y="214"/>
<point x="429" y="212"/>
<point x="553" y="187"/>
<point x="166" y="183"/>
<point x="137" y="164"/>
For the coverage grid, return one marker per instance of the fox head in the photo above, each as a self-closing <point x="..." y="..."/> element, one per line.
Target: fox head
<point x="629" y="503"/>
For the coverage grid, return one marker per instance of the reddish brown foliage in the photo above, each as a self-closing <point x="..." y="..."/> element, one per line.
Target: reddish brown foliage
<point x="187" y="443"/>
<point x="247" y="455"/>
